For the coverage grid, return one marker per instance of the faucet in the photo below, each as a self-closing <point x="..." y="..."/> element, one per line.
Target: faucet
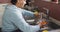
<point x="47" y="12"/>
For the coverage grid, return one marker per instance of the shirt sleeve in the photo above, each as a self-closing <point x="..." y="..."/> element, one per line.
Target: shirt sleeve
<point x="19" y="21"/>
<point x="29" y="13"/>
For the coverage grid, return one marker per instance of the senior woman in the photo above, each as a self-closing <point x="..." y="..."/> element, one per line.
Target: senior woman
<point x="13" y="18"/>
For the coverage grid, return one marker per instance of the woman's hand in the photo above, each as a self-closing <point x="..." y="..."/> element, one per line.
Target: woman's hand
<point x="36" y="13"/>
<point x="42" y="23"/>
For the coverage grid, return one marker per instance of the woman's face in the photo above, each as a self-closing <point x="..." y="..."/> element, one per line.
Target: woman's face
<point x="21" y="3"/>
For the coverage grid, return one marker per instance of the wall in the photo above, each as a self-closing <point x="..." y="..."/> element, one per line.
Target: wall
<point x="53" y="7"/>
<point x="2" y="8"/>
<point x="4" y="1"/>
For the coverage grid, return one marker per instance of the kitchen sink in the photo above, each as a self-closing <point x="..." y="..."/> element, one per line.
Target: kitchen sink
<point x="52" y="25"/>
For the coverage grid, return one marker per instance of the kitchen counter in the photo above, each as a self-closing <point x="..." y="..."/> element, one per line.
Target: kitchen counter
<point x="52" y="24"/>
<point x="53" y="27"/>
<point x="53" y="30"/>
<point x="58" y="30"/>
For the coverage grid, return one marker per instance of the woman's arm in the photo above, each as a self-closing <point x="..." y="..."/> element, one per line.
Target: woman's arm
<point x="29" y="13"/>
<point x="19" y="21"/>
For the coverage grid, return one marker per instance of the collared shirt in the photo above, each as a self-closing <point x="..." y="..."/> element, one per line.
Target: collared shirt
<point x="13" y="19"/>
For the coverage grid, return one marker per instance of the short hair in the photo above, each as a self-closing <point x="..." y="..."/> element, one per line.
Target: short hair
<point x="14" y="2"/>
